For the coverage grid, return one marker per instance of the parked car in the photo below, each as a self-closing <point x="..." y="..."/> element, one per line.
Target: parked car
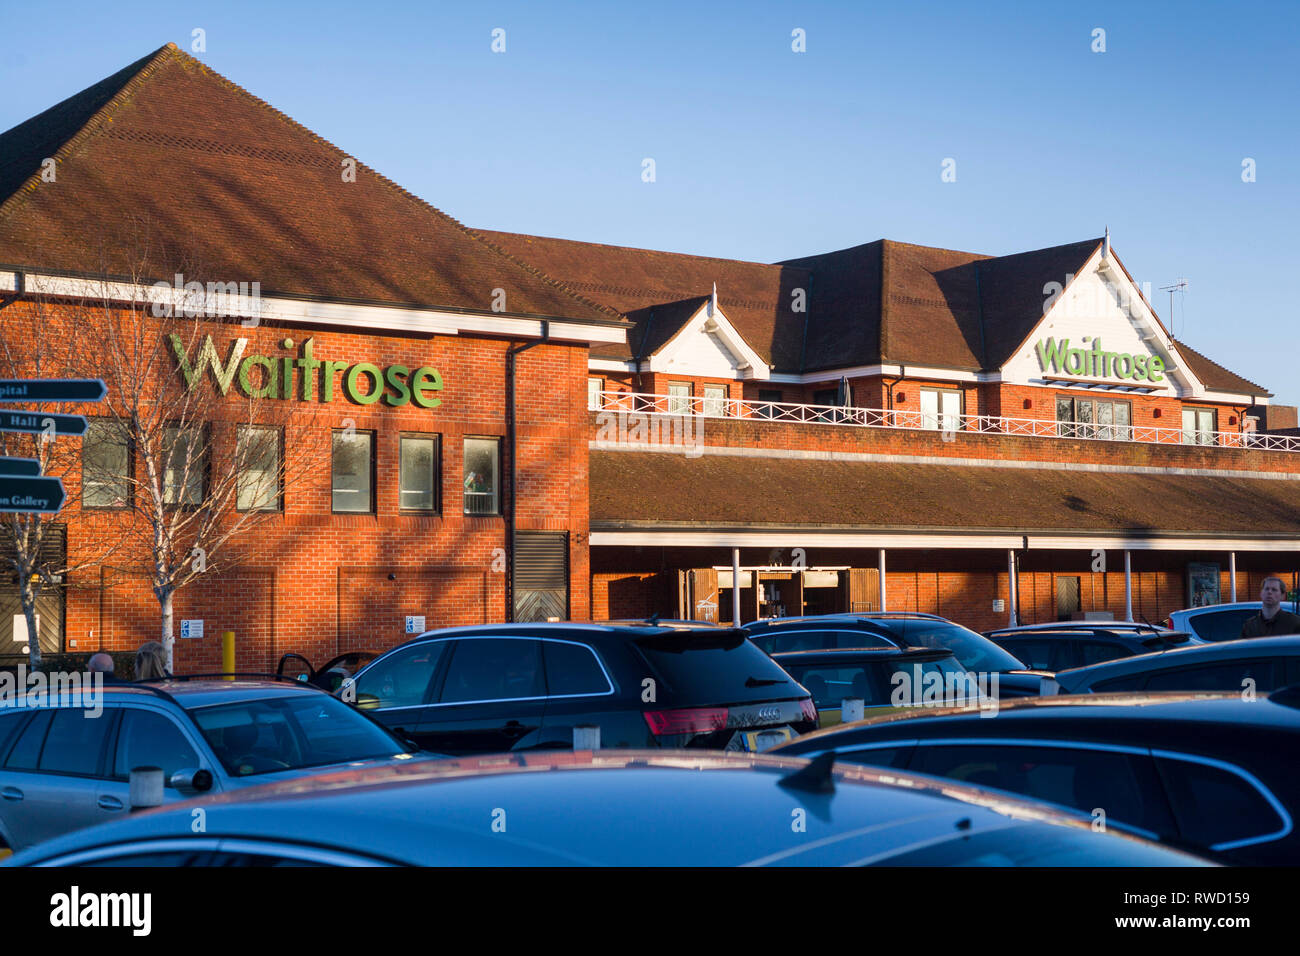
<point x="523" y="686"/>
<point x="1208" y="771"/>
<point x="331" y="675"/>
<point x="1220" y="622"/>
<point x="1259" y="664"/>
<point x="61" y="770"/>
<point x="883" y="678"/>
<point x="1048" y="648"/>
<point x="609" y="808"/>
<point x="973" y="651"/>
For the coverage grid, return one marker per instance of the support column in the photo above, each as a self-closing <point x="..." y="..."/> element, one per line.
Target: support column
<point x="881" y="582"/>
<point x="1011" y="587"/>
<point x="735" y="587"/>
<point x="1232" y="575"/>
<point x="1128" y="586"/>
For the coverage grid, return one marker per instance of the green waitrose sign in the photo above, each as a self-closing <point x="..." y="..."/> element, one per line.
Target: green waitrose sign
<point x="397" y="384"/>
<point x="1098" y="363"/>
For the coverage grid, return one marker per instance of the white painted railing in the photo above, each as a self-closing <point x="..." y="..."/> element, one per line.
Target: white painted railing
<point x="947" y="425"/>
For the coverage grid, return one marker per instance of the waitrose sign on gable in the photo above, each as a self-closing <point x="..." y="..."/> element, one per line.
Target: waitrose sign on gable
<point x="1096" y="362"/>
<point x="363" y="382"/>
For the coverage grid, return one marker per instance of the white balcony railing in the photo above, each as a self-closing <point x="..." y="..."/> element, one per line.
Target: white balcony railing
<point x="713" y="407"/>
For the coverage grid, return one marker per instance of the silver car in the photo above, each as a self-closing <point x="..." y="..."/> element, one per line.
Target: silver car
<point x="65" y="765"/>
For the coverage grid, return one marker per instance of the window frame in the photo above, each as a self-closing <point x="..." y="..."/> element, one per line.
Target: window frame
<point x="374" y="455"/>
<point x="717" y="403"/>
<point x="278" y="506"/>
<point x="1073" y="428"/>
<point x="681" y="404"/>
<point x="595" y="402"/>
<point x="204" y="430"/>
<point x="941" y="418"/>
<point x="436" y="510"/>
<point x="128" y="485"/>
<point x="1193" y="437"/>
<point x="497" y="511"/>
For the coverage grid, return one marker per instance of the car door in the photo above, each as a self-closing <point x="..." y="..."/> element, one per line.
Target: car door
<point x="52" y="773"/>
<point x="580" y="691"/>
<point x="396" y="688"/>
<point x="1257" y="674"/>
<point x="491" y="698"/>
<point x="149" y="737"/>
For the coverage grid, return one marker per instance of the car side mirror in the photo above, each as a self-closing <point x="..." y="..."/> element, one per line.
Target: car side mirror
<point x="192" y="780"/>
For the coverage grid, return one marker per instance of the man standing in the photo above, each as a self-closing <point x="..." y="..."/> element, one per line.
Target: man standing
<point x="1271" y="619"/>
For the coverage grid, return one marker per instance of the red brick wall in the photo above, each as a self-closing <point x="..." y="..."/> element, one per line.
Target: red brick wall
<point x="317" y="583"/>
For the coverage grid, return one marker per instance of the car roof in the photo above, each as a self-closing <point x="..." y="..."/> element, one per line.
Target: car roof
<point x="1232" y="606"/>
<point x="598" y="808"/>
<point x="1184" y="655"/>
<point x="1120" y="710"/>
<point x="589" y="630"/>
<point x="189" y="693"/>
<point x="841" y="619"/>
<point x="1116" y="626"/>
<point x="861" y="655"/>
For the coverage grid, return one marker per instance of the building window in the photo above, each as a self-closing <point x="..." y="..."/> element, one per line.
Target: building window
<point x="1091" y="418"/>
<point x="184" y="465"/>
<point x="419" y="479"/>
<point x="679" y="398"/>
<point x="941" y="409"/>
<point x="715" y="400"/>
<point x="482" y="490"/>
<point x="1199" y="426"/>
<point x="594" y="387"/>
<point x="353" y="472"/>
<point x="105" y="465"/>
<point x="257" y="448"/>
<point x="768" y="395"/>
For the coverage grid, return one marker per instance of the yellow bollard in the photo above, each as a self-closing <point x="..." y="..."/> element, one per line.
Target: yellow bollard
<point x="228" y="653"/>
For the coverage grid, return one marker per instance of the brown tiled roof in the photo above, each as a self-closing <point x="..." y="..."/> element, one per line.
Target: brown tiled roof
<point x="755" y="296"/>
<point x="647" y="489"/>
<point x="1216" y="376"/>
<point x="169" y="155"/>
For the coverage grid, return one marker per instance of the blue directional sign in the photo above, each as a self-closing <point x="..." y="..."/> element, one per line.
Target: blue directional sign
<point x="20" y="466"/>
<point x="41" y="495"/>
<point x="35" y="423"/>
<point x="52" y="390"/>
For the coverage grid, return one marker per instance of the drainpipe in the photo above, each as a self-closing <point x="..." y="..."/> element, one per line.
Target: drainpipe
<point x="511" y="439"/>
<point x="889" y="393"/>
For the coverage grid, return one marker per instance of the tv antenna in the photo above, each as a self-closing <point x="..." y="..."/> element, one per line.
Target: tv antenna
<point x="1179" y="286"/>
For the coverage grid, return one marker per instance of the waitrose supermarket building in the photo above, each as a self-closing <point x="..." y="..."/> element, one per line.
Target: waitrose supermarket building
<point x="542" y="428"/>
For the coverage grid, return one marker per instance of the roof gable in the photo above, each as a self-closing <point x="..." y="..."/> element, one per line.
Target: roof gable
<point x="170" y="157"/>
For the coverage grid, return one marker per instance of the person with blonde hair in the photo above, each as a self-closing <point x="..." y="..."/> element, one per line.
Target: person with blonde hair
<point x="151" y="661"/>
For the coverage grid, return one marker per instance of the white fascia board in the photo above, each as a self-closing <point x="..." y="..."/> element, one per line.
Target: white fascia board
<point x="1233" y="398"/>
<point x="610" y="365"/>
<point x="283" y="309"/>
<point x="893" y="371"/>
<point x="750" y="364"/>
<point x="912" y="540"/>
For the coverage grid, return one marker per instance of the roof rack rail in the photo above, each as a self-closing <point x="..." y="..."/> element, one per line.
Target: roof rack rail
<point x="256" y="675"/>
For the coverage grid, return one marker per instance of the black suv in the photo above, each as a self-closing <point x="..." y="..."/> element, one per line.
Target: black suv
<point x="1210" y="772"/>
<point x="1066" y="646"/>
<point x="973" y="651"/>
<point x="506" y="687"/>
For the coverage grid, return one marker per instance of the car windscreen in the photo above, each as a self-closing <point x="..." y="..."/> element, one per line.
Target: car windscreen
<point x="878" y="683"/>
<point x="284" y="733"/>
<point x="698" y="668"/>
<point x="1030" y="844"/>
<point x="973" y="651"/>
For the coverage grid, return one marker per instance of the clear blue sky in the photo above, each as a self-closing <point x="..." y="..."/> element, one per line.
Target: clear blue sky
<point x="762" y="153"/>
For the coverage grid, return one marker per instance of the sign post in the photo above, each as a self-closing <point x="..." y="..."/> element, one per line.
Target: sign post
<point x="23" y="489"/>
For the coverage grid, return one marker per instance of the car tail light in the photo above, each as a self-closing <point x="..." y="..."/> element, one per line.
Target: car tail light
<point x="691" y="720"/>
<point x="809" y="709"/>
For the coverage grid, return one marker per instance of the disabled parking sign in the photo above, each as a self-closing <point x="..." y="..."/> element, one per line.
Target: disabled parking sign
<point x="415" y="624"/>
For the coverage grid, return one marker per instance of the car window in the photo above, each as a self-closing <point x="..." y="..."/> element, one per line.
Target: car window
<point x="1120" y="785"/>
<point x="1215" y="806"/>
<point x="1094" y="652"/>
<point x="150" y="739"/>
<point x="10" y="723"/>
<point x="1127" y="682"/>
<point x="818" y="640"/>
<point x="974" y="651"/>
<point x="1045" y="654"/>
<point x="27" y="749"/>
<point x="494" y="669"/>
<point x="895" y="757"/>
<point x="1228" y="675"/>
<point x="830" y="684"/>
<point x="573" y="669"/>
<point x="1220" y="625"/>
<point x="711" y="666"/>
<point x="401" y="678"/>
<point x="75" y="742"/>
<point x="283" y="733"/>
